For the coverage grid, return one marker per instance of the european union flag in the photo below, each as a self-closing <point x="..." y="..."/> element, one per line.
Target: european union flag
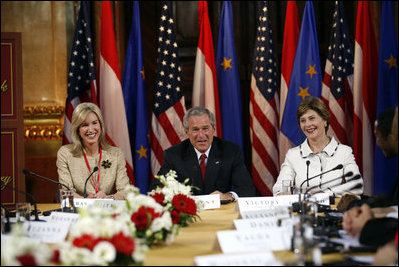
<point x="229" y="79"/>
<point x="386" y="170"/>
<point x="135" y="98"/>
<point x="305" y="78"/>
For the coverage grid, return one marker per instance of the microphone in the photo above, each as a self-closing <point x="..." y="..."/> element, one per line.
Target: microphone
<point x="28" y="172"/>
<point x="84" y="191"/>
<point x="307" y="171"/>
<point x="7" y="227"/>
<point x="348" y="174"/>
<point x="32" y="199"/>
<point x="338" y="167"/>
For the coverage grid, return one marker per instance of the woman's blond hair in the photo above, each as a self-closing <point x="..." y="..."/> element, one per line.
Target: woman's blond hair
<point x="79" y="115"/>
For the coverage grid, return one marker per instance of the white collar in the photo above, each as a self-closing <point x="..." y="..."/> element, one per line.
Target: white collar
<point x="329" y="149"/>
<point x="199" y="153"/>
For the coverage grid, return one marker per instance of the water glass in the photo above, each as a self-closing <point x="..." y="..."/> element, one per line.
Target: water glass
<point x="23" y="210"/>
<point x="66" y="198"/>
<point x="287" y="186"/>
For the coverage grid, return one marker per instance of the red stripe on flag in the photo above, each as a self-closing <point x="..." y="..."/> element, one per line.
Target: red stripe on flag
<point x="108" y="45"/>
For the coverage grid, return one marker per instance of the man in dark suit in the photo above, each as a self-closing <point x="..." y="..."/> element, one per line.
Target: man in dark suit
<point x="221" y="171"/>
<point x="362" y="221"/>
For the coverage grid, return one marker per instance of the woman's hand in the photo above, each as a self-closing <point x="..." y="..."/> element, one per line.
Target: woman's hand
<point x="99" y="194"/>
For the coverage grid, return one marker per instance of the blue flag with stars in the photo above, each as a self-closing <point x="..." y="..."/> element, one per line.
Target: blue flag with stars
<point x="135" y="98"/>
<point x="305" y="78"/>
<point x="229" y="79"/>
<point x="386" y="169"/>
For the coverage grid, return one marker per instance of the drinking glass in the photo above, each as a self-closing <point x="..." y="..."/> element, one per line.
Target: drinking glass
<point x="287" y="186"/>
<point x="66" y="198"/>
<point x="23" y="210"/>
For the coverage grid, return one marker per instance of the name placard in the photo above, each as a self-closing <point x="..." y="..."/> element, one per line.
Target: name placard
<point x="265" y="258"/>
<point x="277" y="213"/>
<point x="104" y="203"/>
<point x="267" y="223"/>
<point x="256" y="203"/>
<point x="209" y="201"/>
<point x="47" y="232"/>
<point x="321" y="198"/>
<point x="232" y="241"/>
<point x="63" y="217"/>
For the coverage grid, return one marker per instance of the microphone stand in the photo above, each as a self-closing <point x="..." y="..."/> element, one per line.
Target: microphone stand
<point x="27" y="172"/>
<point x="84" y="190"/>
<point x="32" y="199"/>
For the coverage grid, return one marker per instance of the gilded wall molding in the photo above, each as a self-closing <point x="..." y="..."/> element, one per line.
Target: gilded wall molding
<point x="43" y="122"/>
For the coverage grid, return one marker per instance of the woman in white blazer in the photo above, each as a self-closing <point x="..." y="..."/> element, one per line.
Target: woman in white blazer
<point x="318" y="154"/>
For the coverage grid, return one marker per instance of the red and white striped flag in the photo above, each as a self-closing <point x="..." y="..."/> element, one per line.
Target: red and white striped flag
<point x="168" y="103"/>
<point x="337" y="89"/>
<point x="365" y="86"/>
<point x="263" y="107"/>
<point x="81" y="73"/>
<point x="291" y="35"/>
<point x="110" y="90"/>
<point x="205" y="88"/>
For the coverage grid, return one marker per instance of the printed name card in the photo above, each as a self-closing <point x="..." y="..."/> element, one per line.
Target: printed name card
<point x="47" y="232"/>
<point x="208" y="201"/>
<point x="265" y="258"/>
<point x="278" y="213"/>
<point x="321" y="198"/>
<point x="63" y="217"/>
<point x="254" y="203"/>
<point x="233" y="241"/>
<point x="103" y="203"/>
<point x="268" y="223"/>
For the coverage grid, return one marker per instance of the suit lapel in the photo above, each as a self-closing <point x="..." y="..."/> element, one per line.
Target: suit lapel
<point x="212" y="167"/>
<point x="192" y="166"/>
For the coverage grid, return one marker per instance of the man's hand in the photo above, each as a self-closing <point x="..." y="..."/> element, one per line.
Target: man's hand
<point x="355" y="219"/>
<point x="223" y="196"/>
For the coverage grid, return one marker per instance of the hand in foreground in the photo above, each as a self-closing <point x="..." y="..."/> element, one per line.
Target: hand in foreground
<point x="386" y="255"/>
<point x="355" y="219"/>
<point x="223" y="196"/>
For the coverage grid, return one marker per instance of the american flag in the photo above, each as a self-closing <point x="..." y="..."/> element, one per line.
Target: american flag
<point x="168" y="102"/>
<point x="264" y="107"/>
<point x="81" y="74"/>
<point x="337" y="90"/>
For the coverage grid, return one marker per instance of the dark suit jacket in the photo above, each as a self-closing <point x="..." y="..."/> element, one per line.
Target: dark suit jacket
<point x="225" y="168"/>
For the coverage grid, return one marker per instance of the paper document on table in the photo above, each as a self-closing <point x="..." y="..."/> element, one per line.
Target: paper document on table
<point x="346" y="240"/>
<point x="264" y="258"/>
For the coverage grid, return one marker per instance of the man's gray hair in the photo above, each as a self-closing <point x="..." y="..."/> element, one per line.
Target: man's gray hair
<point x="198" y="111"/>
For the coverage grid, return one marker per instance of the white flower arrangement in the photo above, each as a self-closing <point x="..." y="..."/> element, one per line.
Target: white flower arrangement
<point x="102" y="237"/>
<point x="151" y="221"/>
<point x="17" y="249"/>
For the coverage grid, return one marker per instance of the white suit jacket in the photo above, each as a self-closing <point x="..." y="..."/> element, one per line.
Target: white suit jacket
<point x="295" y="168"/>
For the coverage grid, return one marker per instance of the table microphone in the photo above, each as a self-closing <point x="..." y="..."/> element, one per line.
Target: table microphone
<point x="338" y="167"/>
<point x="84" y="191"/>
<point x="28" y="172"/>
<point x="307" y="171"/>
<point x="348" y="174"/>
<point x="32" y="199"/>
<point x="7" y="227"/>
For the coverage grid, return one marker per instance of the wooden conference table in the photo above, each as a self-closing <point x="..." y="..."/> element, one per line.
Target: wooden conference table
<point x="200" y="238"/>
